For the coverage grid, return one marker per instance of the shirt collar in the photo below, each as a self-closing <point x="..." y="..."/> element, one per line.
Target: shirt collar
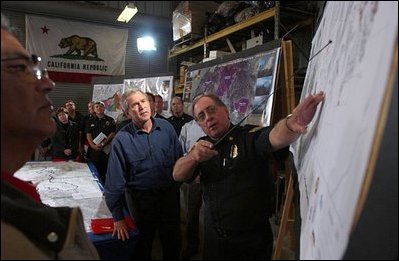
<point x="23" y="186"/>
<point x="155" y="126"/>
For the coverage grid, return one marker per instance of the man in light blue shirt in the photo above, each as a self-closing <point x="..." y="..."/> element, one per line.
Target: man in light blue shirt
<point x="189" y="135"/>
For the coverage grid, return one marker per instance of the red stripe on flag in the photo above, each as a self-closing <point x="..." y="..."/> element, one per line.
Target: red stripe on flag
<point x="72" y="77"/>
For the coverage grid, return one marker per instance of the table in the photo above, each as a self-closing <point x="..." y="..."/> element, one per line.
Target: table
<point x="76" y="184"/>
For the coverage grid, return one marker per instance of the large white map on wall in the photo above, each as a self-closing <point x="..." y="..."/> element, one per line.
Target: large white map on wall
<point x="332" y="158"/>
<point x="110" y="94"/>
<point x="67" y="184"/>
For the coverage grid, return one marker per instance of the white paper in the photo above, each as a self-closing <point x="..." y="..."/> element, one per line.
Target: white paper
<point x="332" y="157"/>
<point x="97" y="140"/>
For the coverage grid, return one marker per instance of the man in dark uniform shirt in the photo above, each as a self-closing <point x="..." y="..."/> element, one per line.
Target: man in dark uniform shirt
<point x="235" y="176"/>
<point x="98" y="153"/>
<point x="178" y="118"/>
<point x="84" y="126"/>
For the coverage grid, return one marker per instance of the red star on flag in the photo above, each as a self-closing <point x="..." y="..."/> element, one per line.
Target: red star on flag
<point x="45" y="30"/>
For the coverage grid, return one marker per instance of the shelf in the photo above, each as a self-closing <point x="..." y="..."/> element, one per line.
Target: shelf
<point x="225" y="32"/>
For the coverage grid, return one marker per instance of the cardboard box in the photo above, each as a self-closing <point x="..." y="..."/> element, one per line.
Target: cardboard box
<point x="190" y="18"/>
<point x="258" y="40"/>
<point x="217" y="54"/>
<point x="208" y="59"/>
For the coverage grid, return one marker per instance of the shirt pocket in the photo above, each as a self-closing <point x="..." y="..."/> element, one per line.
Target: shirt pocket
<point x="137" y="163"/>
<point x="168" y="158"/>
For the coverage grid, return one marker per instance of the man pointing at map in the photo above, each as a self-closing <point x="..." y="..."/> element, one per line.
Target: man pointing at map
<point x="233" y="164"/>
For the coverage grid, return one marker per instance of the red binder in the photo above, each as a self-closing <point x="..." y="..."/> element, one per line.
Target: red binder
<point x="106" y="225"/>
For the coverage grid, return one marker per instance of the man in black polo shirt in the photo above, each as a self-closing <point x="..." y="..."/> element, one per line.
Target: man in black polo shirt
<point x="83" y="128"/>
<point x="102" y="125"/>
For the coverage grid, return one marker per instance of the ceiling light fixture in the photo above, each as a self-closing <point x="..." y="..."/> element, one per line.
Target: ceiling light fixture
<point x="127" y="14"/>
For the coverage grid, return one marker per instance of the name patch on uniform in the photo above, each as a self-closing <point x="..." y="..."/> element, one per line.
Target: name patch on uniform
<point x="255" y="129"/>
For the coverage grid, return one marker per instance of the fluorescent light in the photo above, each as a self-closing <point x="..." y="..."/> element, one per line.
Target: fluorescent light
<point x="127" y="14"/>
<point x="146" y="43"/>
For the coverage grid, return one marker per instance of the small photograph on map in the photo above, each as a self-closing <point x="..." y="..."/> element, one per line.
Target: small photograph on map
<point x="266" y="66"/>
<point x="187" y="91"/>
<point x="260" y="103"/>
<point x="263" y="86"/>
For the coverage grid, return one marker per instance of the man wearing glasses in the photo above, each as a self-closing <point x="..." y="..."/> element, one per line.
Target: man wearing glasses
<point x="29" y="229"/>
<point x="235" y="177"/>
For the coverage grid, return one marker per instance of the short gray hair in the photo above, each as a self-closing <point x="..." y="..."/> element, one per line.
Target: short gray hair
<point x="127" y="94"/>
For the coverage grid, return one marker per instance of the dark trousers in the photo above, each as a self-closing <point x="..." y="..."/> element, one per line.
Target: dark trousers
<point x="100" y="161"/>
<point x="156" y="209"/>
<point x="237" y="245"/>
<point x="194" y="203"/>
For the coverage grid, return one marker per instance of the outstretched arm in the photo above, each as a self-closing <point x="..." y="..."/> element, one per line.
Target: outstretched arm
<point x="289" y="129"/>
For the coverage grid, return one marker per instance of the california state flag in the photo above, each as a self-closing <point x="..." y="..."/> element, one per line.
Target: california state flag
<point x="75" y="51"/>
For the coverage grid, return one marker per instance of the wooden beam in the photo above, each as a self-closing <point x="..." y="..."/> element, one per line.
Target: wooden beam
<point x="284" y="219"/>
<point x="229" y="30"/>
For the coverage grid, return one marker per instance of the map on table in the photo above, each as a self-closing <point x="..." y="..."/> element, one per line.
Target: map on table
<point x="69" y="184"/>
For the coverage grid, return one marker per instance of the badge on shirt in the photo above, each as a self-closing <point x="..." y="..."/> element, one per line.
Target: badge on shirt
<point x="233" y="151"/>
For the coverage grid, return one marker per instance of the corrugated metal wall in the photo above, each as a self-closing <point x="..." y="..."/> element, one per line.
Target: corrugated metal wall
<point x="136" y="64"/>
<point x="157" y="8"/>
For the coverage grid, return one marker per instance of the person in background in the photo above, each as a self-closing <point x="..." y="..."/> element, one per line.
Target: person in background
<point x="44" y="150"/>
<point x="179" y="117"/>
<point x="122" y="119"/>
<point x="151" y="99"/>
<point x="140" y="171"/>
<point x="121" y="124"/>
<point x="84" y="144"/>
<point x="123" y="116"/>
<point x="159" y="106"/>
<point x="73" y="114"/>
<point x="30" y="229"/>
<point x="101" y="124"/>
<point x="65" y="141"/>
<point x="189" y="135"/>
<point x="236" y="180"/>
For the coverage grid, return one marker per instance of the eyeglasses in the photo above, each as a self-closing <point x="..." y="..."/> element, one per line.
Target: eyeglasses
<point x="210" y="110"/>
<point x="33" y="66"/>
